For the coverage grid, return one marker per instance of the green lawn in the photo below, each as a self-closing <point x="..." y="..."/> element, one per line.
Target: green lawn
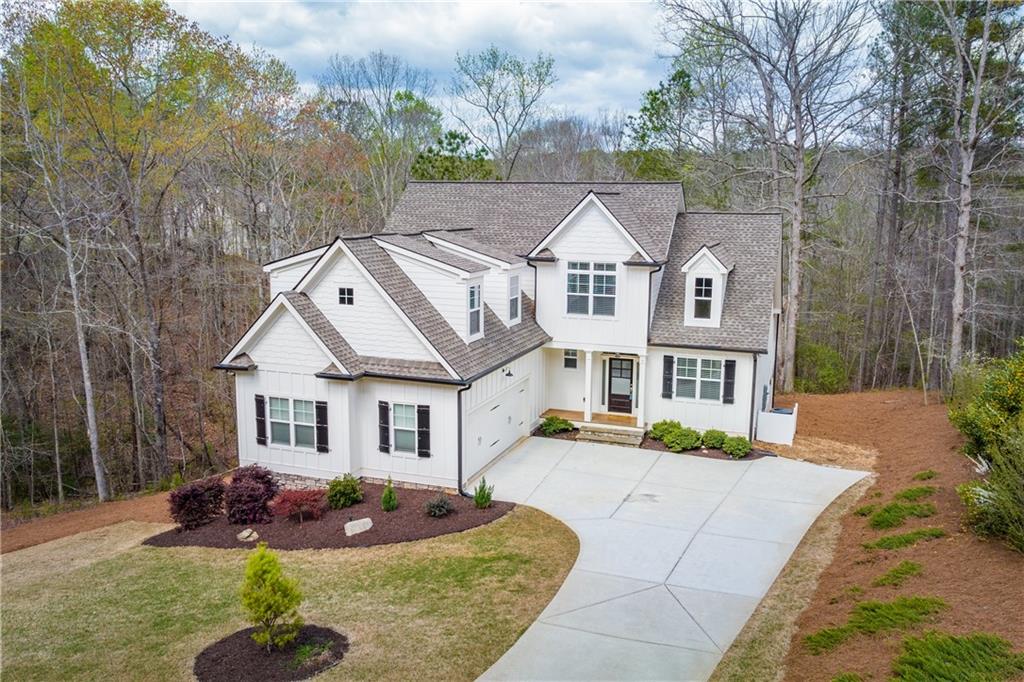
<point x="98" y="606"/>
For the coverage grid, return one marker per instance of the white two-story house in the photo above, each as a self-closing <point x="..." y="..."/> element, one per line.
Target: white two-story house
<point x="426" y="351"/>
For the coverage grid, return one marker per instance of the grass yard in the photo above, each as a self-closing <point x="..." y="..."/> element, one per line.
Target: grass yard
<point x="99" y="606"/>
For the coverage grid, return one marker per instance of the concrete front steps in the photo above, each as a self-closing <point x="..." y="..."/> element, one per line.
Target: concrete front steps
<point x="613" y="434"/>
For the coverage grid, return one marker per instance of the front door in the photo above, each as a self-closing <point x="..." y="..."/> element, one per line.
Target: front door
<point x="620" y="385"/>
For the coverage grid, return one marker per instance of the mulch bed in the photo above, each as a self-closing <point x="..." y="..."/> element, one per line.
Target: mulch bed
<point x="564" y="435"/>
<point x="408" y="522"/>
<point x="649" y="443"/>
<point x="238" y="657"/>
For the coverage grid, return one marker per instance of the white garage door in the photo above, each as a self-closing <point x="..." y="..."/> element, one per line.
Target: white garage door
<point x="495" y="426"/>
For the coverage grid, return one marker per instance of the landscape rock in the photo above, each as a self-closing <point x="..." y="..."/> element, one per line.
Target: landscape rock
<point x="248" y="535"/>
<point x="358" y="526"/>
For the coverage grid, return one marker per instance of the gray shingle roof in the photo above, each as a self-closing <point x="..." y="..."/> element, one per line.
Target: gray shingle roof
<point x="500" y="344"/>
<point x="752" y="244"/>
<point x="465" y="239"/>
<point x="418" y="244"/>
<point x="324" y="329"/>
<point x="517" y="215"/>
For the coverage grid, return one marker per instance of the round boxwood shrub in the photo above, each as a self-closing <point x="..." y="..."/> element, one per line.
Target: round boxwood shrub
<point x="736" y="447"/>
<point x="344" y="492"/>
<point x="713" y="438"/>
<point x="683" y="438"/>
<point x="197" y="503"/>
<point x="660" y="429"/>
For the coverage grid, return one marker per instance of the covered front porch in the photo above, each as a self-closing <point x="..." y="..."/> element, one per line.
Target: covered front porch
<point x="596" y="386"/>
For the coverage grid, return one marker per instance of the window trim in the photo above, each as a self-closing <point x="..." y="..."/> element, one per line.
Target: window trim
<point x="574" y="357"/>
<point x="291" y="422"/>
<point x="414" y="430"/>
<point x="478" y="309"/>
<point x="514" y="297"/>
<point x="586" y="273"/>
<point x="346" y="296"/>
<point x="698" y="380"/>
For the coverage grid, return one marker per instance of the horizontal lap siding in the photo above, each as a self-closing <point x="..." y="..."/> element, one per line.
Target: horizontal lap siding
<point x="445" y="291"/>
<point x="733" y="419"/>
<point x="370" y="320"/>
<point x="441" y="468"/>
<point x="286" y="278"/>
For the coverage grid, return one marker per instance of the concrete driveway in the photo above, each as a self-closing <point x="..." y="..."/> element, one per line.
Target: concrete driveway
<point x="676" y="552"/>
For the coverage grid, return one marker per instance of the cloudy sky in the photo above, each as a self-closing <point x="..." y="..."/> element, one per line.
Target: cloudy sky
<point x="606" y="54"/>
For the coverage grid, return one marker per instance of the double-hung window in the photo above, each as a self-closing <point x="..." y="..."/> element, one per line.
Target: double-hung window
<point x="590" y="289"/>
<point x="292" y="422"/>
<point x="570" y="359"/>
<point x="513" y="298"/>
<point x="604" y="289"/>
<point x="475" y="310"/>
<point x="577" y="289"/>
<point x="702" y="289"/>
<point x="403" y="422"/>
<point x="699" y="378"/>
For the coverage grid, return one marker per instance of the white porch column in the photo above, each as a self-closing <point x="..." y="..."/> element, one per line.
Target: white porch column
<point x="588" y="385"/>
<point x="639" y="386"/>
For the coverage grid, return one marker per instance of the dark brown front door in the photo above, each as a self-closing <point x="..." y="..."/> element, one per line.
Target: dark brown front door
<point x="620" y="385"/>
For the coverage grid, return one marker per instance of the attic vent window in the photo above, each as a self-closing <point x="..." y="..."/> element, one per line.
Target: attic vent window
<point x="346" y="296"/>
<point x="702" y="298"/>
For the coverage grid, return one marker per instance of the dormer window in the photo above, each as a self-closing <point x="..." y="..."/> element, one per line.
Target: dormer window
<point x="514" y="307"/>
<point x="475" y="311"/>
<point x="702" y="298"/>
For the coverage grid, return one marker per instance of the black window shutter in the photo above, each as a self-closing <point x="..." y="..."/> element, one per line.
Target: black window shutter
<point x="667" y="376"/>
<point x="383" y="428"/>
<point x="729" y="387"/>
<point x="321" y="426"/>
<point x="261" y="420"/>
<point x="423" y="430"/>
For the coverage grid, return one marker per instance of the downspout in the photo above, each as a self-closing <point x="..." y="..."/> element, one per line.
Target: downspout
<point x="753" y="396"/>
<point x="458" y="395"/>
<point x="650" y="293"/>
<point x="775" y="363"/>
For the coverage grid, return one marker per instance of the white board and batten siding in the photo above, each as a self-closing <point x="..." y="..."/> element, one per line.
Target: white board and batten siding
<point x="733" y="418"/>
<point x="370" y="319"/>
<point x="287" y="359"/>
<point x="441" y="468"/>
<point x="500" y="408"/>
<point x="566" y="387"/>
<point x="592" y="237"/>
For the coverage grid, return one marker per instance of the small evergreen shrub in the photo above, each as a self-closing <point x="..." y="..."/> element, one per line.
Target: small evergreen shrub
<point x="552" y="425"/>
<point x="344" y="492"/>
<point x="894" y="514"/>
<point x="438" y="506"/>
<point x="713" y="438"/>
<point x="300" y="503"/>
<point x="270" y="600"/>
<point x="736" y="447"/>
<point x="660" y="429"/>
<point x="898" y="574"/>
<point x="389" y="498"/>
<point x="482" y="494"/>
<point x="682" y="438"/>
<point x="914" y="494"/>
<point x="872" y="617"/>
<point x="938" y="657"/>
<point x="197" y="503"/>
<point x="906" y="539"/>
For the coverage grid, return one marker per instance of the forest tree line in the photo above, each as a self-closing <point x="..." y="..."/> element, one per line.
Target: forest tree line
<point x="149" y="168"/>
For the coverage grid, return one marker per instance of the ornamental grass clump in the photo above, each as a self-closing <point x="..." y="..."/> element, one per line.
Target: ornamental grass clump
<point x="482" y="494"/>
<point x="270" y="600"/>
<point x="736" y="447"/>
<point x="344" y="492"/>
<point x="872" y="617"/>
<point x="389" y="498"/>
<point x="439" y="506"/>
<point x="895" y="514"/>
<point x="940" y="657"/>
<point x="197" y="503"/>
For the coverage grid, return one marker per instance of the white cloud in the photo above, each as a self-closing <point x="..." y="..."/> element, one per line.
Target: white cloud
<point x="606" y="54"/>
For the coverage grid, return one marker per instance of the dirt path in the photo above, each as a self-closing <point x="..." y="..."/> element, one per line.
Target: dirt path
<point x="980" y="580"/>
<point x="151" y="508"/>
